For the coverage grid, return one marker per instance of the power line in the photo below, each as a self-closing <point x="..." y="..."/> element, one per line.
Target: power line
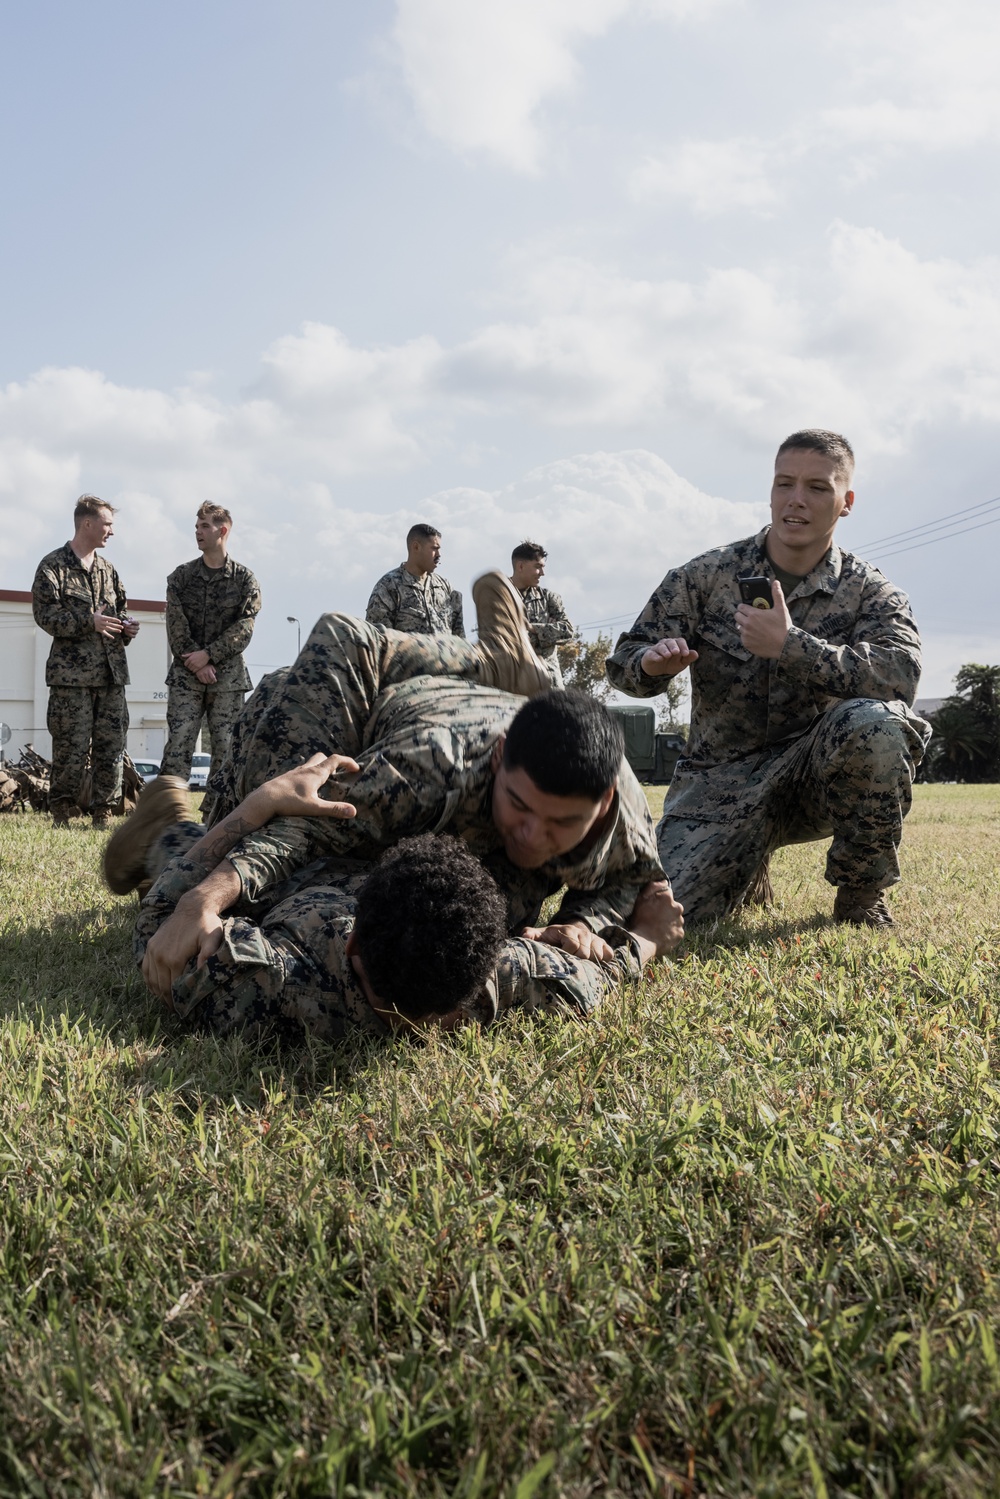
<point x="897" y="551"/>
<point x="949" y="520"/>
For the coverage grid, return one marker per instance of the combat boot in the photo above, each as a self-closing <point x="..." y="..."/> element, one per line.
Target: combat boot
<point x="102" y="819"/>
<point x="862" y="905"/>
<point x="508" y="657"/>
<point x="60" y="814"/>
<point x="161" y="804"/>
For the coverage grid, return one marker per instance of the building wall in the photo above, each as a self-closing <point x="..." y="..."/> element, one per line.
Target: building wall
<point x="24" y="697"/>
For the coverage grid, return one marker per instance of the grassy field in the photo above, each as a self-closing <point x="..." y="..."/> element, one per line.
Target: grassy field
<point x="739" y="1236"/>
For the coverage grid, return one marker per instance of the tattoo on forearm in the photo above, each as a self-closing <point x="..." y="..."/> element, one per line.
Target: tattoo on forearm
<point x="217" y="842"/>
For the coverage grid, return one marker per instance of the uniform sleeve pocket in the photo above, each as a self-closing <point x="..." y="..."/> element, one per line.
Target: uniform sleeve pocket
<point x="721" y="633"/>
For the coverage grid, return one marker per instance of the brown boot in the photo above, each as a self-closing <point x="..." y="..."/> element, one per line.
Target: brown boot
<point x="61" y="813"/>
<point x="862" y="905"/>
<point x="508" y="657"/>
<point x="102" y="819"/>
<point x="161" y="803"/>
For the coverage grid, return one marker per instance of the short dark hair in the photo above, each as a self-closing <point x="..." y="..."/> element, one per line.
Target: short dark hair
<point x="818" y="440"/>
<point x="568" y="743"/>
<point x="429" y="925"/>
<point x="421" y="532"/>
<point x="529" y="551"/>
<point x="90" y="504"/>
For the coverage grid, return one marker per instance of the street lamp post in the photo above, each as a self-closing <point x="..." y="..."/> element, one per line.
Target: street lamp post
<point x="298" y="631"/>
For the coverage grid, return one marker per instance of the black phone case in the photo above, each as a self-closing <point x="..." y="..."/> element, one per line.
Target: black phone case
<point x="757" y="592"/>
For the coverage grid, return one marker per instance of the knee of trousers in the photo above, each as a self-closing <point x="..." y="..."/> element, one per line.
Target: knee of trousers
<point x="877" y="735"/>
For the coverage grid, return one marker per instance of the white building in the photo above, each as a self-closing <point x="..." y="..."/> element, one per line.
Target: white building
<point x="24" y="649"/>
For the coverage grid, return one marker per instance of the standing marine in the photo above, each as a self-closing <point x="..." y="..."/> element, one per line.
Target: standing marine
<point x="804" y="664"/>
<point x="548" y="623"/>
<point x="413" y="597"/>
<point x="77" y="597"/>
<point x="212" y="603"/>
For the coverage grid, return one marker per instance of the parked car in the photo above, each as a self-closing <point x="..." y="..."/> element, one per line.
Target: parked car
<point x="198" y="775"/>
<point x="148" y="769"/>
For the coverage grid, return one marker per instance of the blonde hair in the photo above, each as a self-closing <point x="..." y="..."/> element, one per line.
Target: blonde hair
<point x="90" y="504"/>
<point x="217" y="514"/>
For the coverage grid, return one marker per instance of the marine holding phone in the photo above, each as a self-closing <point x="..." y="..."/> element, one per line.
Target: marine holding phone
<point x="804" y="663"/>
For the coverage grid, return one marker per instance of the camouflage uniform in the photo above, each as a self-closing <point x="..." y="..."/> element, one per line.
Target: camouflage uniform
<point x="286" y="961"/>
<point x="548" y="627"/>
<point x="820" y="741"/>
<point x="425" y="742"/>
<point x="208" y="609"/>
<point x="86" y="674"/>
<point x="418" y="606"/>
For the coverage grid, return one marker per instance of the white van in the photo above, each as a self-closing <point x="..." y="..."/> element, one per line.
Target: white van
<point x="198" y="775"/>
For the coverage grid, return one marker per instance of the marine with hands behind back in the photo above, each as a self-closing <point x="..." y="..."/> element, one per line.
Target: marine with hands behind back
<point x="801" y="716"/>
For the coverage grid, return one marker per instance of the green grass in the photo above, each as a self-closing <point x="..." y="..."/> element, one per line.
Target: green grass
<point x="739" y="1236"/>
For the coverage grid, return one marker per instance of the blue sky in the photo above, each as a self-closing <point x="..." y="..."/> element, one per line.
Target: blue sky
<point x="565" y="268"/>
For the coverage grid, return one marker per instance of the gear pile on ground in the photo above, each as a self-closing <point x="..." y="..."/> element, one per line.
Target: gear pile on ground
<point x="25" y="783"/>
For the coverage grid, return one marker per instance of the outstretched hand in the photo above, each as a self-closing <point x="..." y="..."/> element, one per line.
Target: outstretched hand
<point x="667" y="658"/>
<point x="295" y="793"/>
<point x="578" y="941"/>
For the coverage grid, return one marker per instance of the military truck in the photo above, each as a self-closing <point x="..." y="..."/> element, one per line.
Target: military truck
<point x="651" y="754"/>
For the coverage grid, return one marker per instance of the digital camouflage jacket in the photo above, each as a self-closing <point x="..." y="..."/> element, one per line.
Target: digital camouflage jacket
<point x="212" y="609"/>
<point x="64" y="600"/>
<point x="548" y="624"/>
<point x="853" y="636"/>
<point x="420" y="606"/>
<point x="426" y="767"/>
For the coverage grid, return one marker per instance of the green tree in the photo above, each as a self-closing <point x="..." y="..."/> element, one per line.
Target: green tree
<point x="966" y="743"/>
<point x="582" y="664"/>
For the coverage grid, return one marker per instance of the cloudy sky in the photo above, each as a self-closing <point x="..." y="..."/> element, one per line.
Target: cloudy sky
<point x="561" y="267"/>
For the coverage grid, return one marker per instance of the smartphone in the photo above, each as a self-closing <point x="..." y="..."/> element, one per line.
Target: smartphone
<point x="757" y="592"/>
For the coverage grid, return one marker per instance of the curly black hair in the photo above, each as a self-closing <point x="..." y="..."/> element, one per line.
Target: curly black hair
<point x="568" y="742"/>
<point x="429" y="925"/>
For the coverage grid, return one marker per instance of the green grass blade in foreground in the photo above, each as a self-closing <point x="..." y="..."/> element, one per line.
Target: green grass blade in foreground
<point x="736" y="1237"/>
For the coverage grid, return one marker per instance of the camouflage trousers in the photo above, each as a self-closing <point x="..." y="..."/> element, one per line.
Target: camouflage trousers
<point x="322" y="702"/>
<point x="188" y="703"/>
<point x="850" y="775"/>
<point x="551" y="664"/>
<point x="86" y="721"/>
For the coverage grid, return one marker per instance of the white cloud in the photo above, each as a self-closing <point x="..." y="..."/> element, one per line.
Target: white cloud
<point x="711" y="176"/>
<point x="479" y="74"/>
<point x="612" y="522"/>
<point x="877" y="342"/>
<point x="921" y="74"/>
<point x="913" y="76"/>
